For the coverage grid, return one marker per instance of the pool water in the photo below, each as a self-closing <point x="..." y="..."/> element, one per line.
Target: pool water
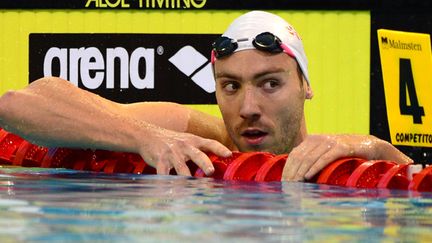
<point x="57" y="205"/>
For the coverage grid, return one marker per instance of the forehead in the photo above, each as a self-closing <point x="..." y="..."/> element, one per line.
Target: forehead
<point x="250" y="62"/>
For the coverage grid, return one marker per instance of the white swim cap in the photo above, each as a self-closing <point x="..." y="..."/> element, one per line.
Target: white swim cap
<point x="247" y="26"/>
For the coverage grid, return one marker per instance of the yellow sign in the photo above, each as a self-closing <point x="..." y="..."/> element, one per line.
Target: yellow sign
<point x="406" y="64"/>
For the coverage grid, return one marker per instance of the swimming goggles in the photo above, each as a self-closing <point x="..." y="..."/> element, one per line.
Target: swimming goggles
<point x="266" y="41"/>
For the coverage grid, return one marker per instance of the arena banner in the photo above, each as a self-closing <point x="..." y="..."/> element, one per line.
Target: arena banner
<point x="125" y="67"/>
<point x="131" y="56"/>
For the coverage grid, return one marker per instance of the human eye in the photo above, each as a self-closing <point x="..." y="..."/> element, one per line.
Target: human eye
<point x="271" y="85"/>
<point x="230" y="86"/>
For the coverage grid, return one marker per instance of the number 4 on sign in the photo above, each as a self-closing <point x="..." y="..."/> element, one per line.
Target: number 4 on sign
<point x="406" y="85"/>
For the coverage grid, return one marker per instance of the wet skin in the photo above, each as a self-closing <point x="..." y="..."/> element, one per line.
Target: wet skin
<point x="261" y="97"/>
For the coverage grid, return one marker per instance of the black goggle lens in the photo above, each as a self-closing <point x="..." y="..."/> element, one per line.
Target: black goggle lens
<point x="266" y="41"/>
<point x="224" y="46"/>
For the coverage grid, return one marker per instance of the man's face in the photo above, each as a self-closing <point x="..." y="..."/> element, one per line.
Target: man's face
<point x="261" y="98"/>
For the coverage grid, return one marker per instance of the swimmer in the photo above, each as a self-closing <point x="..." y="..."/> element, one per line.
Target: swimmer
<point x="262" y="83"/>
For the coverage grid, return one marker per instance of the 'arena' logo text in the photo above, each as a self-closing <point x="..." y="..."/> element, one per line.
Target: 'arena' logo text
<point x="128" y="67"/>
<point x="91" y="67"/>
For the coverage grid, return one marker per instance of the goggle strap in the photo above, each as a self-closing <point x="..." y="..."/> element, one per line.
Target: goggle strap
<point x="287" y="50"/>
<point x="284" y="47"/>
<point x="213" y="57"/>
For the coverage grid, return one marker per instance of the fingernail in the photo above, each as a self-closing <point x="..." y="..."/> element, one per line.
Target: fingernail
<point x="210" y="170"/>
<point x="227" y="153"/>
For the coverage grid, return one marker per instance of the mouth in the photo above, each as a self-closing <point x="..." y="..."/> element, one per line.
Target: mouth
<point x="254" y="136"/>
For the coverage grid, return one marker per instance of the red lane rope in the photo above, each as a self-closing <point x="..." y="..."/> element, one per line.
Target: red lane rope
<point x="248" y="166"/>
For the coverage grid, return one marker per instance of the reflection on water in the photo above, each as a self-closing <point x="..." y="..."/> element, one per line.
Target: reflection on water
<point x="64" y="205"/>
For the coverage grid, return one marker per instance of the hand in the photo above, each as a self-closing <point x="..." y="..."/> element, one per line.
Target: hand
<point x="317" y="151"/>
<point x="168" y="149"/>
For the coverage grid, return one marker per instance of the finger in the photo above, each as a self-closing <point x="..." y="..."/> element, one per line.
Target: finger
<point x="295" y="160"/>
<point x="163" y="167"/>
<point x="290" y="168"/>
<point x="179" y="163"/>
<point x="310" y="159"/>
<point x="215" y="147"/>
<point x="202" y="160"/>
<point x="323" y="161"/>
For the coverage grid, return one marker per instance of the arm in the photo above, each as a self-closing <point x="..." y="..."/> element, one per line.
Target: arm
<point x="182" y="119"/>
<point x="53" y="112"/>
<point x="317" y="151"/>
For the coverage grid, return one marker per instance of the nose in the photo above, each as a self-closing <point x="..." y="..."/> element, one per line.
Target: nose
<point x="250" y="108"/>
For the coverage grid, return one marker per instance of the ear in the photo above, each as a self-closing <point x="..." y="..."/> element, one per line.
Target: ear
<point x="309" y="92"/>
